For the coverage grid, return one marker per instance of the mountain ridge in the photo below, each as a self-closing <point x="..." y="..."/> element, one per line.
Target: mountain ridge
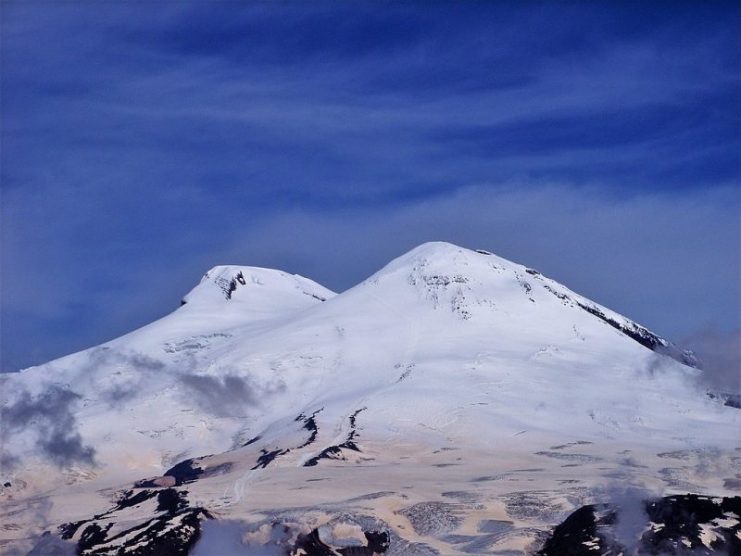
<point x="443" y="351"/>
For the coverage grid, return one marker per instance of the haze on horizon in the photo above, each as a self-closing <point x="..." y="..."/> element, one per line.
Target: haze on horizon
<point x="597" y="143"/>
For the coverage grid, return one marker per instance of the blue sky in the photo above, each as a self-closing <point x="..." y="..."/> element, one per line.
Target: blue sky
<point x="144" y="142"/>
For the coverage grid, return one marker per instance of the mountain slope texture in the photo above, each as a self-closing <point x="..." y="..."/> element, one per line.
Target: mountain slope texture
<point x="452" y="403"/>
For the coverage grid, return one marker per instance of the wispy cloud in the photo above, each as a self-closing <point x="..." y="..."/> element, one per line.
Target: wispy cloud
<point x="136" y="149"/>
<point x="227" y="395"/>
<point x="50" y="416"/>
<point x="236" y="537"/>
<point x="719" y="355"/>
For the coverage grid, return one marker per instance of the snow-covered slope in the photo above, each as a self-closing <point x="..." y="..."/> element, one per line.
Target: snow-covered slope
<point x="448" y="377"/>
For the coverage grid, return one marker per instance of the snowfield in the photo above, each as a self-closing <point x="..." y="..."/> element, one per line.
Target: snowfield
<point x="452" y="403"/>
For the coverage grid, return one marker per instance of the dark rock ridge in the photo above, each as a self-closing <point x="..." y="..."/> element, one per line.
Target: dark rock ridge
<point x="267" y="457"/>
<point x="335" y="452"/>
<point x="171" y="529"/>
<point x="185" y="472"/>
<point x="673" y="525"/>
<point x="634" y="331"/>
<point x="312" y="545"/>
<point x="311" y="426"/>
<point x="230" y="286"/>
<point x="730" y="400"/>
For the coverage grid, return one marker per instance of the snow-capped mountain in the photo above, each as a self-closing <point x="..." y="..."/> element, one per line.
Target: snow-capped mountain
<point x="454" y="402"/>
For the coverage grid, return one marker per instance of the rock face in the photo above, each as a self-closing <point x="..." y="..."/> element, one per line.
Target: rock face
<point x="452" y="403"/>
<point x="171" y="526"/>
<point x="677" y="524"/>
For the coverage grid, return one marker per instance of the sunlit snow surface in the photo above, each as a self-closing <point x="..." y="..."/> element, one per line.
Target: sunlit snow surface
<point x="457" y="401"/>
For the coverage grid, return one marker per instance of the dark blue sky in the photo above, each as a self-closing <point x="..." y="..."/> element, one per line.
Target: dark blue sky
<point x="144" y="142"/>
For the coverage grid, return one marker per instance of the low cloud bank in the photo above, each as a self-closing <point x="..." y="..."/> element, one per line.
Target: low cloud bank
<point x="237" y="538"/>
<point x="227" y="395"/>
<point x="719" y="357"/>
<point x="51" y="416"/>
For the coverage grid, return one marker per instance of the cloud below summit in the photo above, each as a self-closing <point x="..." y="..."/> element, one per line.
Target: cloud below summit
<point x="51" y="417"/>
<point x="719" y="355"/>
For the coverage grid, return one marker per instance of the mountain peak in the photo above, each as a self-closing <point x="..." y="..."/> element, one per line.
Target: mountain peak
<point x="444" y="256"/>
<point x="457" y="368"/>
<point x="443" y="249"/>
<point x="263" y="289"/>
<point x="479" y="285"/>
